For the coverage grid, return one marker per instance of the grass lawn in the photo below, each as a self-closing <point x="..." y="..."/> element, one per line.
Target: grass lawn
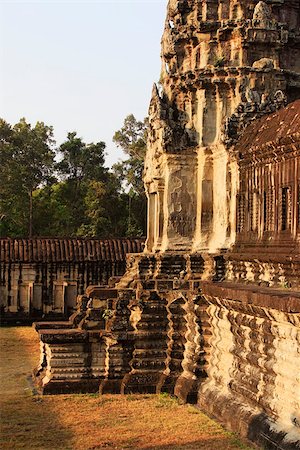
<point x="91" y="422"/>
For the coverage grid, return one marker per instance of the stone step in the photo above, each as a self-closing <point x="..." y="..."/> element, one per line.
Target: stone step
<point x="68" y="362"/>
<point x="71" y="376"/>
<point x="151" y="345"/>
<point x="149" y="353"/>
<point x="79" y="369"/>
<point x="148" y="363"/>
<point x="154" y="317"/>
<point x="66" y="355"/>
<point x="68" y="348"/>
<point x="152" y="325"/>
<point x="177" y="355"/>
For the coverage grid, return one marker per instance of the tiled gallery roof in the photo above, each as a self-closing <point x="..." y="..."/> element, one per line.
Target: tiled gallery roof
<point x="67" y="250"/>
<point x="279" y="128"/>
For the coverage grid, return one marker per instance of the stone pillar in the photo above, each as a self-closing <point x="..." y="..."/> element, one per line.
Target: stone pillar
<point x="220" y="201"/>
<point x="152" y="200"/>
<point x="155" y="195"/>
<point x="180" y="206"/>
<point x="198" y="244"/>
<point x="210" y="10"/>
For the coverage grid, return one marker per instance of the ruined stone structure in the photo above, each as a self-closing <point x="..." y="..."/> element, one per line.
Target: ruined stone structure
<point x="42" y="277"/>
<point x="223" y="64"/>
<point x="210" y="311"/>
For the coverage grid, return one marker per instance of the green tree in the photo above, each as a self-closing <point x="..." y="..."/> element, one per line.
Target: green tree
<point x="77" y="196"/>
<point x="90" y="195"/>
<point x="52" y="212"/>
<point x="80" y="164"/>
<point x="26" y="163"/>
<point x="81" y="161"/>
<point x="132" y="139"/>
<point x="105" y="209"/>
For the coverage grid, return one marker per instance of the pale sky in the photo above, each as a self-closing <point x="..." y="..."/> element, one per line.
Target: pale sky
<point x="79" y="65"/>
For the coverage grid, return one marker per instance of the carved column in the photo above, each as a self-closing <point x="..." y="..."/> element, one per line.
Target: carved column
<point x="180" y="202"/>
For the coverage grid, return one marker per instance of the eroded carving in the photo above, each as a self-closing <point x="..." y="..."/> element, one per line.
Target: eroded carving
<point x="211" y="309"/>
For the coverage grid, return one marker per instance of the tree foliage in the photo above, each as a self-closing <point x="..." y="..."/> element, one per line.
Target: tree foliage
<point x="132" y="138"/>
<point x="68" y="191"/>
<point x="26" y="163"/>
<point x="81" y="161"/>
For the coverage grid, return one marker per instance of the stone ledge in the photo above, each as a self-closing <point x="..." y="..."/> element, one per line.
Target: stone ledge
<point x="57" y="325"/>
<point x="62" y="335"/>
<point x="101" y="292"/>
<point x="82" y="386"/>
<point x="279" y="299"/>
<point x="249" y="422"/>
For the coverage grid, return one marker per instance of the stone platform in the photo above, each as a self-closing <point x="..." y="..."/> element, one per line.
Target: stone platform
<point x="144" y="338"/>
<point x="233" y="348"/>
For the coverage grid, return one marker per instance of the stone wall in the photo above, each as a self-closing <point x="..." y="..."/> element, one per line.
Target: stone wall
<point x="232" y="348"/>
<point x="224" y="64"/>
<point x="254" y="366"/>
<point x="44" y="276"/>
<point x="210" y="311"/>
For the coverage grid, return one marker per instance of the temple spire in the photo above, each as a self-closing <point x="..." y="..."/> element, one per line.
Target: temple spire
<point x="220" y="70"/>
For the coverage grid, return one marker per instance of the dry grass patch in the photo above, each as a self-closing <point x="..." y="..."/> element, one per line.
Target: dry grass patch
<point x="90" y="422"/>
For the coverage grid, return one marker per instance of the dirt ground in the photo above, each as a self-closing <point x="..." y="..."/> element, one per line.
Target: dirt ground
<point x="90" y="422"/>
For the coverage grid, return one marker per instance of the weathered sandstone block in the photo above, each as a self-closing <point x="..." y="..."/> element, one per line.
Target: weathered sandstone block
<point x="210" y="311"/>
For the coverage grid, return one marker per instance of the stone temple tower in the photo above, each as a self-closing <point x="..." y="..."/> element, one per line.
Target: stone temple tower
<point x="224" y="63"/>
<point x="210" y="311"/>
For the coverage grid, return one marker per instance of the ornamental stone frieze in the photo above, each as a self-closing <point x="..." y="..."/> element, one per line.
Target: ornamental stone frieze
<point x="210" y="311"/>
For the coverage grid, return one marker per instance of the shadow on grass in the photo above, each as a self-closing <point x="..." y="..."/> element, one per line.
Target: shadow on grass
<point x="27" y="420"/>
<point x="90" y="422"/>
<point x="204" y="444"/>
<point x="197" y="444"/>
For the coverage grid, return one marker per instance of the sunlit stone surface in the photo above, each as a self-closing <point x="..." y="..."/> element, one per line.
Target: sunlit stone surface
<point x="210" y="311"/>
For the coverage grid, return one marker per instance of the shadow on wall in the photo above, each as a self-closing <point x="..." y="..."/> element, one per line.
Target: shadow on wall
<point x="205" y="444"/>
<point x="260" y="431"/>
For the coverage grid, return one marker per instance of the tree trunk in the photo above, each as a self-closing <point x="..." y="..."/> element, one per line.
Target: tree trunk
<point x="129" y="216"/>
<point x="30" y="215"/>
